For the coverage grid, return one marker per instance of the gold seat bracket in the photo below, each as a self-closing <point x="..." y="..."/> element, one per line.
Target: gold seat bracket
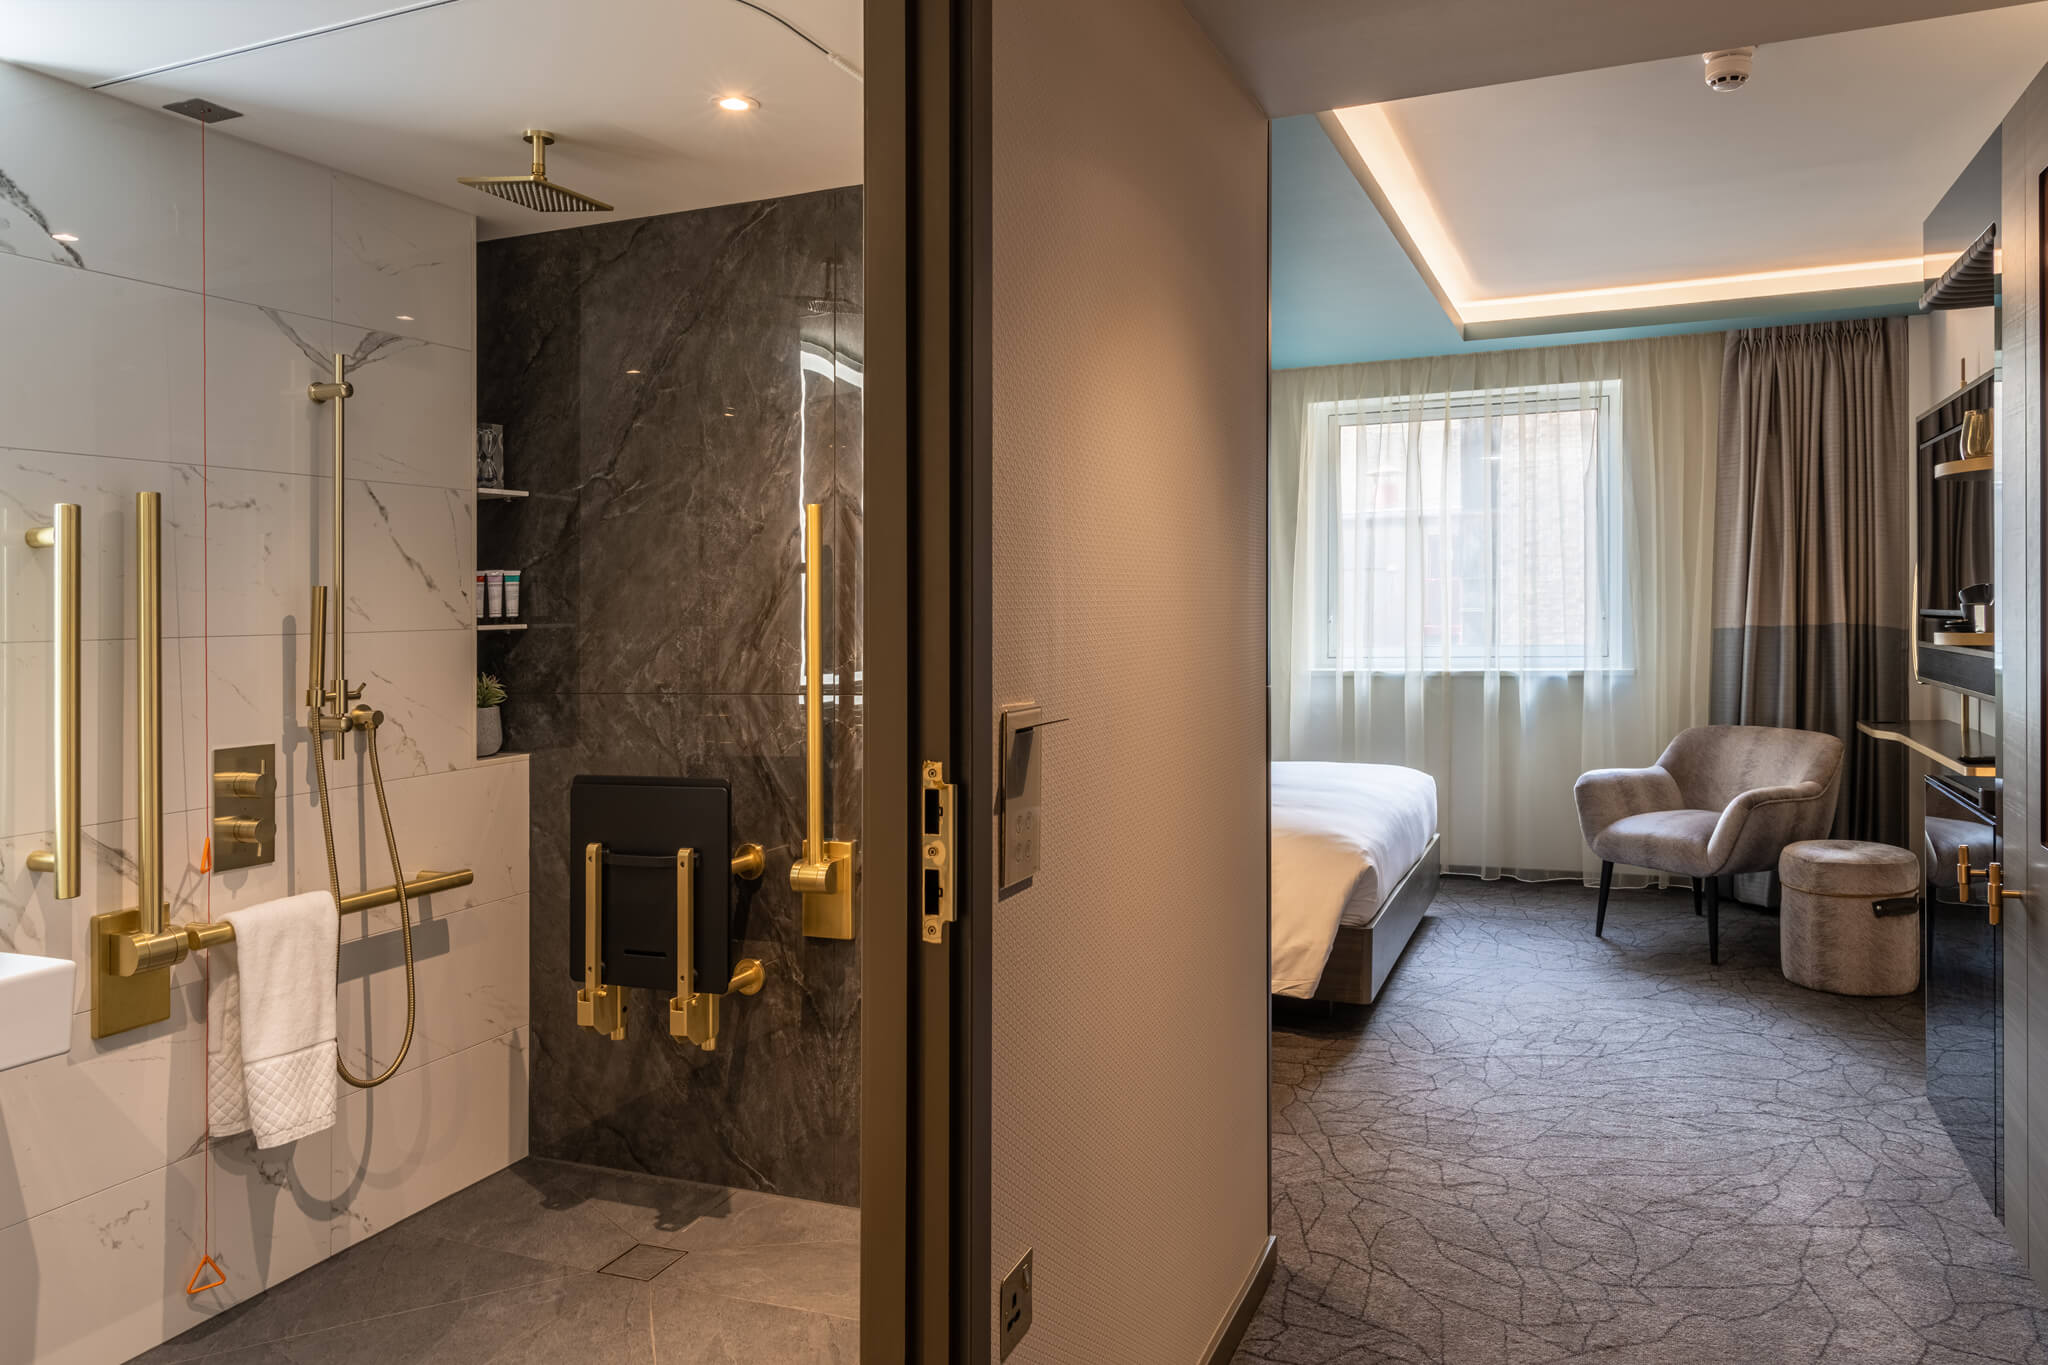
<point x="693" y="1015"/>
<point x="599" y="1007"/>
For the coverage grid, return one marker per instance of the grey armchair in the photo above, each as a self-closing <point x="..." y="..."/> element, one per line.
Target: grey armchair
<point x="1723" y="799"/>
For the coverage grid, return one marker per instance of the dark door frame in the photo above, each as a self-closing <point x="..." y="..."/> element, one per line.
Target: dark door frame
<point x="926" y="1289"/>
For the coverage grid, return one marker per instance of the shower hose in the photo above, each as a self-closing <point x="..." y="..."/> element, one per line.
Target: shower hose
<point x="369" y="729"/>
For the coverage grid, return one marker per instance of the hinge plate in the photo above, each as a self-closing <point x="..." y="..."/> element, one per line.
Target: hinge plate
<point x="936" y="825"/>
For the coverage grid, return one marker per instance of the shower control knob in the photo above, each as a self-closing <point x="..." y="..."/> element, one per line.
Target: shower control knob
<point x="236" y="829"/>
<point x="258" y="786"/>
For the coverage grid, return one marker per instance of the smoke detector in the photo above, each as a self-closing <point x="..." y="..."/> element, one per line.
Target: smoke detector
<point x="1729" y="68"/>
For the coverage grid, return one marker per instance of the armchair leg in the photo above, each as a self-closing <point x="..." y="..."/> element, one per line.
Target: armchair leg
<point x="1714" y="920"/>
<point x="1698" y="907"/>
<point x="1606" y="885"/>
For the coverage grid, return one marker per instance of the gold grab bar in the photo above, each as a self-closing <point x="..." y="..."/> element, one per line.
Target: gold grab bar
<point x="824" y="875"/>
<point x="202" y="936"/>
<point x="131" y="980"/>
<point x="62" y="535"/>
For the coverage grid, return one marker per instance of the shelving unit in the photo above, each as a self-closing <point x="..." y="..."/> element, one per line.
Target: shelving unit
<point x="502" y="493"/>
<point x="1942" y="742"/>
<point x="1959" y="469"/>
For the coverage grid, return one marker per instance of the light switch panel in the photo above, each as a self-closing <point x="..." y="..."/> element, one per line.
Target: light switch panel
<point x="1023" y="778"/>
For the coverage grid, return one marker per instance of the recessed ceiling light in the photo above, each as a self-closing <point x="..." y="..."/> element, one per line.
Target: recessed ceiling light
<point x="738" y="104"/>
<point x="63" y="236"/>
<point x="632" y="372"/>
<point x="405" y="317"/>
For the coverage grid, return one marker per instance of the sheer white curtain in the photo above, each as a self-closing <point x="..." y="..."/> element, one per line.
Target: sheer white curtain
<point x="1496" y="567"/>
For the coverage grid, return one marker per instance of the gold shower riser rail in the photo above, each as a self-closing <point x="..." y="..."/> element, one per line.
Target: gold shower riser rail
<point x="139" y="953"/>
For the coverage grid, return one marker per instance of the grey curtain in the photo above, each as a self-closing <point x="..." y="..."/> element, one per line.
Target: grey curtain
<point x="1813" y="548"/>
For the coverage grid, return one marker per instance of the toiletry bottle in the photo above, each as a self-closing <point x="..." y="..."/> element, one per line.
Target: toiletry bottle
<point x="511" y="594"/>
<point x="480" y="593"/>
<point x="494" y="581"/>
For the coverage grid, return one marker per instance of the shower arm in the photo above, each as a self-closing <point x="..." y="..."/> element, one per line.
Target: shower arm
<point x="320" y="691"/>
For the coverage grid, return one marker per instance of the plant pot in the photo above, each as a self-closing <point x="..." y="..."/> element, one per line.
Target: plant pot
<point x="490" y="731"/>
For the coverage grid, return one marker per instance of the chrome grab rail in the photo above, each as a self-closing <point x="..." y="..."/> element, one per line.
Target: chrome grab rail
<point x="61" y="858"/>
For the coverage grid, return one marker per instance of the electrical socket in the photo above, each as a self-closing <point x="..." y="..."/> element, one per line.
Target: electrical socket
<point x="1013" y="1307"/>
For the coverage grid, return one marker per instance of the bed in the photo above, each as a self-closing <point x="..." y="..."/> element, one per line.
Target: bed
<point x="1355" y="865"/>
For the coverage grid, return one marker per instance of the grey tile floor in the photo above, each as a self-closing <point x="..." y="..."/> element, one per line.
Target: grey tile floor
<point x="548" y="1262"/>
<point x="1542" y="1146"/>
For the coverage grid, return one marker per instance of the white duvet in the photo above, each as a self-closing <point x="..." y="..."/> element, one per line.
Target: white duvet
<point x="1344" y="834"/>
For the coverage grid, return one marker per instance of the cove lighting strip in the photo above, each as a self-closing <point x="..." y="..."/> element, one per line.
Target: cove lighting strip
<point x="1366" y="137"/>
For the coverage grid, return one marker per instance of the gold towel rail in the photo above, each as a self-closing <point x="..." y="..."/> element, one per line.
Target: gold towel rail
<point x="201" y="936"/>
<point x="61" y="858"/>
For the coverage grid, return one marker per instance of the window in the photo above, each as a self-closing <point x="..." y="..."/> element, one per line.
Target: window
<point x="1471" y="531"/>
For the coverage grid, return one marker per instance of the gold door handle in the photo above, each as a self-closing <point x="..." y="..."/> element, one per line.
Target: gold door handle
<point x="1996" y="893"/>
<point x="824" y="875"/>
<point x="61" y="858"/>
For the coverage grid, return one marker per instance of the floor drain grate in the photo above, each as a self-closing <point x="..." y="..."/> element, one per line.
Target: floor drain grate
<point x="643" y="1262"/>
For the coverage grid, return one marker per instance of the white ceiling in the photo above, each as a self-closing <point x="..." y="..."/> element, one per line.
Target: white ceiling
<point x="416" y="94"/>
<point x="1304" y="56"/>
<point x="1832" y="156"/>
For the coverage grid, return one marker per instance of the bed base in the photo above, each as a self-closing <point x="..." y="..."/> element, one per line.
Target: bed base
<point x="1363" y="955"/>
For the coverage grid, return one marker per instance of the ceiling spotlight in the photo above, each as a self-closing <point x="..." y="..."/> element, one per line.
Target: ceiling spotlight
<point x="632" y="372"/>
<point x="738" y="104"/>
<point x="63" y="236"/>
<point x="405" y="317"/>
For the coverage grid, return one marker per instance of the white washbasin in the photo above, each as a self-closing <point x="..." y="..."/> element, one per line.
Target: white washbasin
<point x="35" y="1008"/>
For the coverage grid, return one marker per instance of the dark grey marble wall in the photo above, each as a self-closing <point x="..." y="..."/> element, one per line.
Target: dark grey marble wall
<point x="673" y="391"/>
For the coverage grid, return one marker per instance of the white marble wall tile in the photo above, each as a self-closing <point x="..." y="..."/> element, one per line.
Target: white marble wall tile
<point x="33" y="920"/>
<point x="412" y="557"/>
<point x="94" y="364"/>
<point x="425" y="1134"/>
<point x="258" y="364"/>
<point x="413" y="417"/>
<point x="411" y="553"/>
<point x="267" y="547"/>
<point x="471" y="974"/>
<point x="98" y="1279"/>
<point x="268" y="219"/>
<point x="105" y="1113"/>
<point x="107" y="740"/>
<point x="419" y="679"/>
<point x="272" y="1213"/>
<point x="125" y="180"/>
<point x="32" y="482"/>
<point x="402" y="264"/>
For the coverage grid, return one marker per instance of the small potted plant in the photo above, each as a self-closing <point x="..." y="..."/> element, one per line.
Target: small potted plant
<point x="490" y="729"/>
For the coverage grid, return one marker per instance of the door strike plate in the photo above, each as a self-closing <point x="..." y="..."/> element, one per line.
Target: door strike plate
<point x="937" y="849"/>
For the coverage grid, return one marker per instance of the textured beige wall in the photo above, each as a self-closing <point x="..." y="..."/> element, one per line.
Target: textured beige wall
<point x="1129" y="357"/>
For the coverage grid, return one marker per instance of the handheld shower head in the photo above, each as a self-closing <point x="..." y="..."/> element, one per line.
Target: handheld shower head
<point x="534" y="190"/>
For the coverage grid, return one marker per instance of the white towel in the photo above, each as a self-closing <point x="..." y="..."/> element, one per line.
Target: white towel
<point x="270" y="1021"/>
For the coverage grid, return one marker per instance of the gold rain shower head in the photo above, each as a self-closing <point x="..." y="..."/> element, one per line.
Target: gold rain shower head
<point x="535" y="190"/>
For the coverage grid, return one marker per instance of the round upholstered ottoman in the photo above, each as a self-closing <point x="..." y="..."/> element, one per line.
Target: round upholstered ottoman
<point x="1850" y="919"/>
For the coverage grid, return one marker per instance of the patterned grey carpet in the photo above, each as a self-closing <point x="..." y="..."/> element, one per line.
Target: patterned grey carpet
<point x="1542" y="1146"/>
